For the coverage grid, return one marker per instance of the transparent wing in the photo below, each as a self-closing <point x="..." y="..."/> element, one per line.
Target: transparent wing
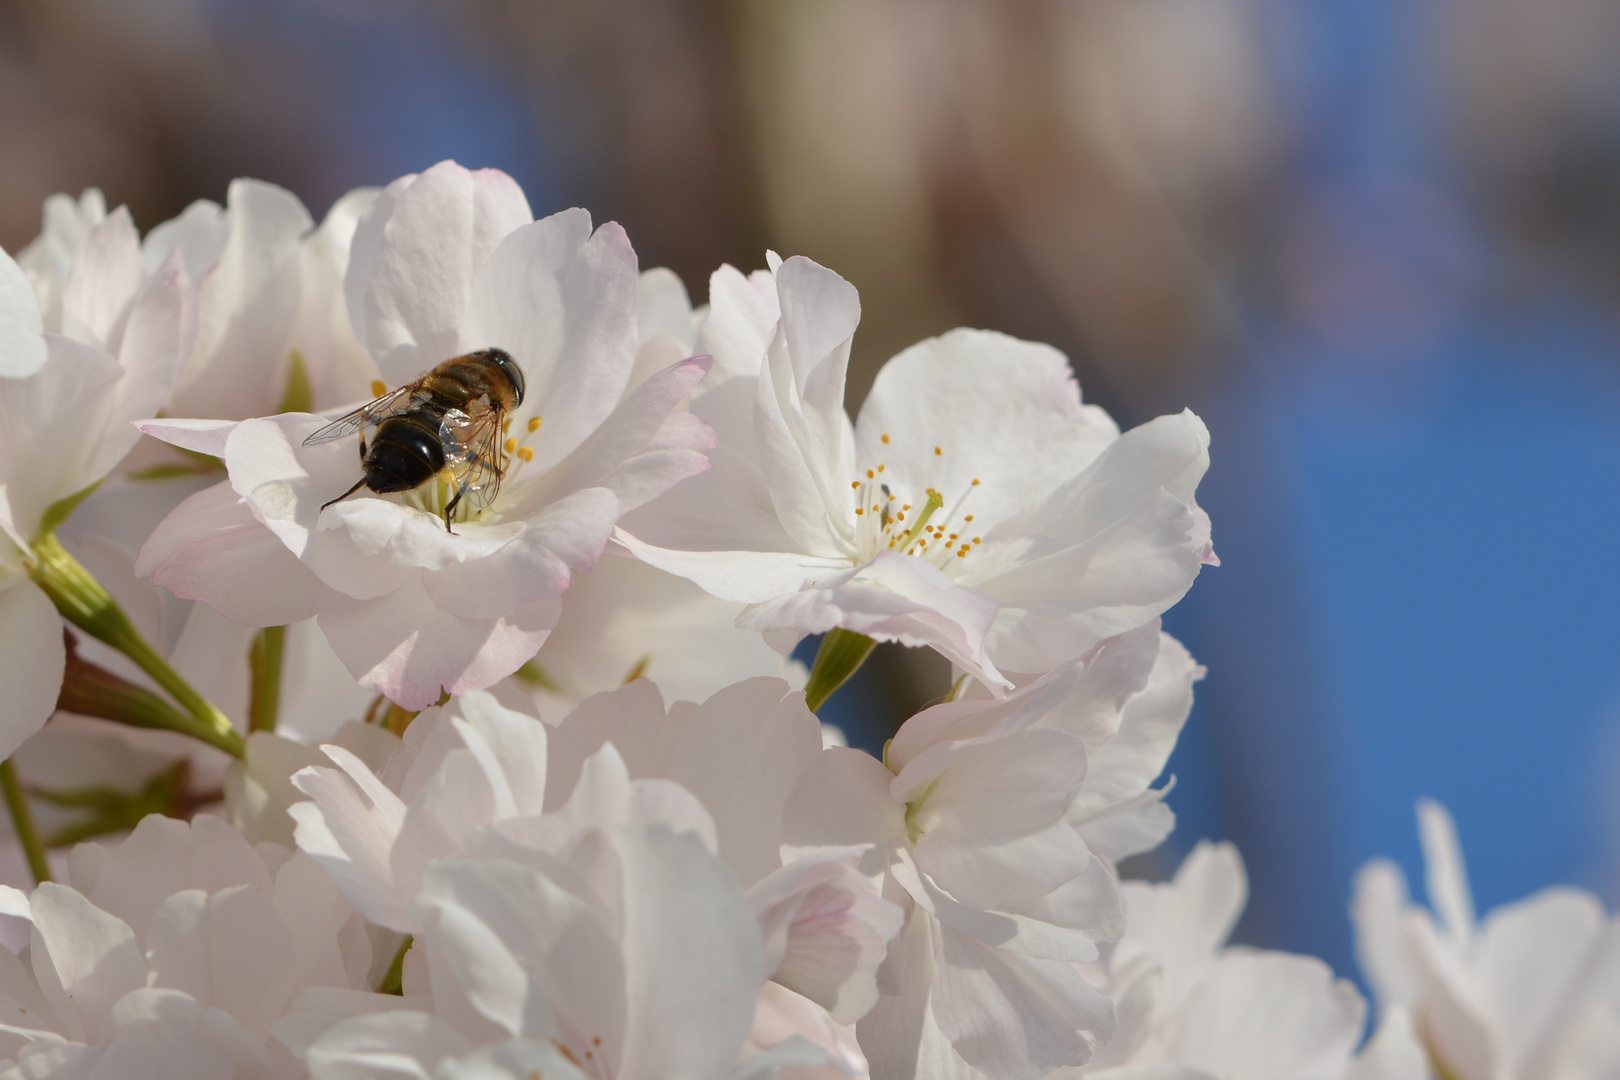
<point x="474" y="454"/>
<point x="367" y="415"/>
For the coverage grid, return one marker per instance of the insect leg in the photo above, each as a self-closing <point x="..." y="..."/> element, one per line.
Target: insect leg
<point x="362" y="446"/>
<point x="345" y="495"/>
<point x="450" y="508"/>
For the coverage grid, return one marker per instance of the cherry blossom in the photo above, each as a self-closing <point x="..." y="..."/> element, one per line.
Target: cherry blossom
<point x="976" y="506"/>
<point x="173" y="954"/>
<point x="1533" y="990"/>
<point x="411" y="608"/>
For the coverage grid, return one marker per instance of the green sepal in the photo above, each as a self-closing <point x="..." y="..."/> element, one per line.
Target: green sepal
<point x="841" y="654"/>
<point x="62" y="509"/>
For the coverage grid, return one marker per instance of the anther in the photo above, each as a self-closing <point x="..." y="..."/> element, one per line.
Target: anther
<point x="856" y="484"/>
<point x="859" y="511"/>
<point x="938" y="452"/>
<point x="870" y="475"/>
<point x="378" y="388"/>
<point x="975" y="539"/>
<point x="975" y="483"/>
<point x="526" y="453"/>
<point x="885" y="438"/>
<point x="882" y="467"/>
<point x="510" y="445"/>
<point x="535" y="422"/>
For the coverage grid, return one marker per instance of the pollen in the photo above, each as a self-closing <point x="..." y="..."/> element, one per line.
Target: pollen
<point x="535" y="422"/>
<point x="870" y="475"/>
<point x="976" y="540"/>
<point x="859" y="511"/>
<point x="885" y="438"/>
<point x="968" y="518"/>
<point x="975" y="482"/>
<point x="856" y="484"/>
<point x="882" y="467"/>
<point x="938" y="452"/>
<point x="526" y="453"/>
<point x="962" y="554"/>
<point x="510" y="445"/>
<point x="378" y="388"/>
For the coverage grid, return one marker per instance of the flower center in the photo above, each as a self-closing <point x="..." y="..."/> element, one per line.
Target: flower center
<point x="435" y="495"/>
<point x="885" y="521"/>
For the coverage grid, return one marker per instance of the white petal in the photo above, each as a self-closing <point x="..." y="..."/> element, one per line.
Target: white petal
<point x="211" y="548"/>
<point x="384" y="1046"/>
<point x="408" y="648"/>
<point x="1270" y="1016"/>
<point x="1446" y="876"/>
<point x="231" y="951"/>
<point x="164" y="855"/>
<point x="350" y="830"/>
<point x="739" y="753"/>
<point x="106" y="274"/>
<point x="22" y="344"/>
<point x="891" y="598"/>
<point x="519" y="743"/>
<point x="1393" y="1052"/>
<point x="1149" y="725"/>
<point x="826" y="928"/>
<point x="742" y="319"/>
<point x="1376" y="912"/>
<point x="1181" y="925"/>
<point x="203" y="436"/>
<point x="32" y="658"/>
<point x="1014" y="1016"/>
<point x="841" y="799"/>
<point x="692" y="958"/>
<point x="562" y="301"/>
<point x="415" y="257"/>
<point x="1004" y="412"/>
<point x="92" y="954"/>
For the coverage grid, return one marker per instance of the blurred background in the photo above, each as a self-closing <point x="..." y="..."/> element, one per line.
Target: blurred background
<point x="1376" y="245"/>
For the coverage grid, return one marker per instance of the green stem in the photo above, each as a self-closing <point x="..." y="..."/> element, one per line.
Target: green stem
<point x="23" y="820"/>
<point x="89" y="690"/>
<point x="264" y="661"/>
<point x="84" y="603"/>
<point x="841" y="654"/>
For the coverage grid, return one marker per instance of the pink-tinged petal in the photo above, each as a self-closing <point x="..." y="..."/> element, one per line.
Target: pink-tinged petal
<point x="826" y="928"/>
<point x="892" y="598"/>
<point x="408" y="648"/>
<point x="803" y="484"/>
<point x="841" y="799"/>
<point x="157" y="338"/>
<point x="415" y="258"/>
<point x="106" y="275"/>
<point x="247" y="304"/>
<point x="663" y="309"/>
<point x="202" y="436"/>
<point x="820" y="311"/>
<point x="211" y="548"/>
<point x="403" y="1045"/>
<point x="742" y="577"/>
<point x="349" y="830"/>
<point x="22" y="327"/>
<point x="32" y="659"/>
<point x="562" y="301"/>
<point x="1015" y="1017"/>
<point x="645" y="446"/>
<point x="1004" y="412"/>
<point x="1181" y="925"/>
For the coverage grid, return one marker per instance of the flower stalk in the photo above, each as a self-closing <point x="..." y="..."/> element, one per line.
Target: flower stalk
<point x="22" y="820"/>
<point x="84" y="603"/>
<point x="264" y="664"/>
<point x="90" y="690"/>
<point x="841" y="654"/>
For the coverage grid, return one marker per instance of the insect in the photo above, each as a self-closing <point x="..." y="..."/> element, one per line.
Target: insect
<point x="450" y="420"/>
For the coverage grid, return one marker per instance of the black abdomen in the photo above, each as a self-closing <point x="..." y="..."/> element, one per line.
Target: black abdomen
<point x="405" y="453"/>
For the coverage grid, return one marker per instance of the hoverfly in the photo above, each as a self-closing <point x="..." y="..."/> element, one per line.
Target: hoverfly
<point x="450" y="420"/>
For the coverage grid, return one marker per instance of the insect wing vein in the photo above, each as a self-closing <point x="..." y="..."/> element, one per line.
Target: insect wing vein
<point x="369" y="414"/>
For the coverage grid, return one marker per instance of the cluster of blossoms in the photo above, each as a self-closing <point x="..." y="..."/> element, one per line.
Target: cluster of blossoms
<point x="344" y="788"/>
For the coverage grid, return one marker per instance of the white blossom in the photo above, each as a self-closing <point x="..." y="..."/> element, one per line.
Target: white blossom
<point x="440" y="265"/>
<point x="1532" y="991"/>
<point x="976" y="506"/>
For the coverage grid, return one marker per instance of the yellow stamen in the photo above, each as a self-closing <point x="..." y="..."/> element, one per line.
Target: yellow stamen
<point x="526" y="453"/>
<point x="510" y="445"/>
<point x="378" y="388"/>
<point x="938" y="452"/>
<point x="535" y="422"/>
<point x="885" y="438"/>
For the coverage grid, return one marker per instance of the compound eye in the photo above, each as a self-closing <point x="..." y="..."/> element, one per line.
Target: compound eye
<point x="514" y="374"/>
